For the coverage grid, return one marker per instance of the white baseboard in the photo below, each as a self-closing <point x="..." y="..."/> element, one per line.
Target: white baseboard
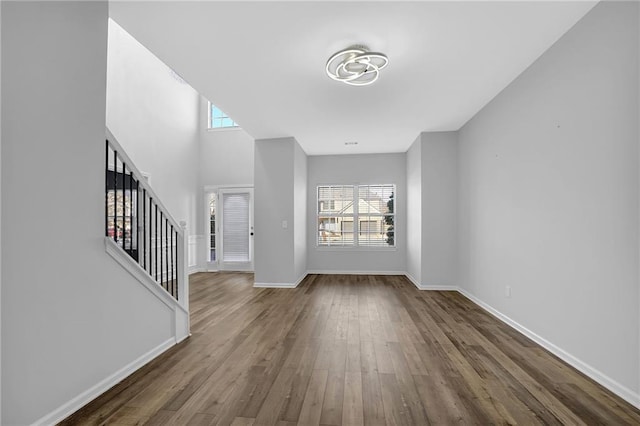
<point x="196" y="269"/>
<point x="428" y="287"/>
<point x="92" y="393"/>
<point x="274" y="285"/>
<point x="432" y="287"/>
<point x="622" y="391"/>
<point x="336" y="272"/>
<point x="281" y="285"/>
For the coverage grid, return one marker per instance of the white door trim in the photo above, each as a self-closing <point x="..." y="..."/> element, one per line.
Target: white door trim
<point x="217" y="190"/>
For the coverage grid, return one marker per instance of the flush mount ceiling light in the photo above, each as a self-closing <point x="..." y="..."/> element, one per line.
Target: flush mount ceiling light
<point x="356" y="66"/>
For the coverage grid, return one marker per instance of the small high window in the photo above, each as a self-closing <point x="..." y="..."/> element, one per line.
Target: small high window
<point x="218" y="119"/>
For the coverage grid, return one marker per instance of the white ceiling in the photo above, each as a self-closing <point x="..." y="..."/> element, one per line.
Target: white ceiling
<point x="263" y="62"/>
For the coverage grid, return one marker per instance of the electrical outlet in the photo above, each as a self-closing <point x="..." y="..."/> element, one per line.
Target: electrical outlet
<point x="507" y="291"/>
<point x="285" y="225"/>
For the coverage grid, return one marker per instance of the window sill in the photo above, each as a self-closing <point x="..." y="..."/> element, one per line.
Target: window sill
<point x="223" y="129"/>
<point x="357" y="248"/>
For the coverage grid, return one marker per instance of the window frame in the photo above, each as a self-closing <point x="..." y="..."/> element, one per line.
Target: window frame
<point x="357" y="231"/>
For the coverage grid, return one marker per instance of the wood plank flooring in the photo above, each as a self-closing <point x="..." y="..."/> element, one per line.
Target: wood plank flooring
<point x="350" y="350"/>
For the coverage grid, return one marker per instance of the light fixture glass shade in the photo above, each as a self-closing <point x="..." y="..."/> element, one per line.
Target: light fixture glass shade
<point x="356" y="65"/>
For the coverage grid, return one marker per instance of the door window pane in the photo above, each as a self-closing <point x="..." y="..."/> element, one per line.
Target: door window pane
<point x="235" y="227"/>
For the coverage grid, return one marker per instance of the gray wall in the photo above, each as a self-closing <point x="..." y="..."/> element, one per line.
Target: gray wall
<point x="71" y="316"/>
<point x="439" y="209"/>
<point x="549" y="196"/>
<point x="357" y="169"/>
<point x="278" y="260"/>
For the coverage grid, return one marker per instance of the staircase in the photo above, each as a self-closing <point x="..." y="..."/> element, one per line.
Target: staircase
<point x="142" y="236"/>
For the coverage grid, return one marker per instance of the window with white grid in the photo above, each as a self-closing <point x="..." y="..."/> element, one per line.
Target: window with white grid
<point x="356" y="215"/>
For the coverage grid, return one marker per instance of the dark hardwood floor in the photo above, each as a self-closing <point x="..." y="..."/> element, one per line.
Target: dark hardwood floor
<point x="350" y="350"/>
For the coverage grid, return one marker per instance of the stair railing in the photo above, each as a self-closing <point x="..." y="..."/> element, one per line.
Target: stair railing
<point x="138" y="222"/>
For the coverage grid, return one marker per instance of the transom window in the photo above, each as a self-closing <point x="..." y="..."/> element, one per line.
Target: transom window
<point x="356" y="215"/>
<point x="218" y="119"/>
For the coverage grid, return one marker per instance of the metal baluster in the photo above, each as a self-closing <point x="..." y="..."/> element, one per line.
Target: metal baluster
<point x="131" y="233"/>
<point x="106" y="191"/>
<point x="150" y="233"/>
<point x="172" y="283"/>
<point x="144" y="229"/>
<point x="156" y="238"/>
<point x="163" y="225"/>
<point x="177" y="276"/>
<point x="161" y="248"/>
<point x="139" y="223"/>
<point x="166" y="251"/>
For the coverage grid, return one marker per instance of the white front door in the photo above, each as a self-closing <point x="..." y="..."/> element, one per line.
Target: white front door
<point x="235" y="232"/>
